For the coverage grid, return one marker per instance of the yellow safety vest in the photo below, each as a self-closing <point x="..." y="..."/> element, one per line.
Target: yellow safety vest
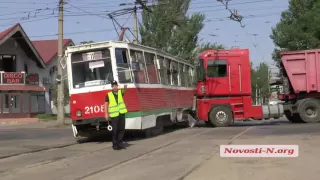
<point x="115" y="109"/>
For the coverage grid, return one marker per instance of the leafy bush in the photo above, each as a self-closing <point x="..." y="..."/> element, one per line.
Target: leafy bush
<point x="54" y="94"/>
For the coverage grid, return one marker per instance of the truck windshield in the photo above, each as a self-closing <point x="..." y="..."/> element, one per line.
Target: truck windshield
<point x="217" y="68"/>
<point x="91" y="68"/>
<point x="199" y="68"/>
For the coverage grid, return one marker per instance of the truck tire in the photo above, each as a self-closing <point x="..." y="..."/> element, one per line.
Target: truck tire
<point x="293" y="118"/>
<point x="221" y="116"/>
<point x="309" y="111"/>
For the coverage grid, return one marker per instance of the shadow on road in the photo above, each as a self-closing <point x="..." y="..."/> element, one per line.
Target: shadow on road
<point x="138" y="135"/>
<point x="248" y="123"/>
<point x="129" y="135"/>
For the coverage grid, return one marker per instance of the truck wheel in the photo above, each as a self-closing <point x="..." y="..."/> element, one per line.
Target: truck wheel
<point x="309" y="111"/>
<point x="293" y="118"/>
<point x="220" y="116"/>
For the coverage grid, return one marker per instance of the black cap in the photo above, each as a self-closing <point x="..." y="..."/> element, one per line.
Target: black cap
<point x="114" y="83"/>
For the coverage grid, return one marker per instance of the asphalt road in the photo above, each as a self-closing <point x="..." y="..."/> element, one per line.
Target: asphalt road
<point x="191" y="153"/>
<point x="17" y="141"/>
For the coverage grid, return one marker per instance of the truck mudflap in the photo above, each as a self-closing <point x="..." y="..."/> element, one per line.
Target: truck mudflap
<point x="272" y="111"/>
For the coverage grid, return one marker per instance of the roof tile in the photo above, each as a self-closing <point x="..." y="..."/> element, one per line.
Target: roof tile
<point x="48" y="49"/>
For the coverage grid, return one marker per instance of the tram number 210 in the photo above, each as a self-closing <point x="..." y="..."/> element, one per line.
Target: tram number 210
<point x="93" y="109"/>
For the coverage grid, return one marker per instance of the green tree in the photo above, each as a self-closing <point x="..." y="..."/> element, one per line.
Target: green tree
<point x="170" y="29"/>
<point x="54" y="94"/>
<point x="298" y="29"/>
<point x="260" y="80"/>
<point x="86" y="42"/>
<point x="207" y="46"/>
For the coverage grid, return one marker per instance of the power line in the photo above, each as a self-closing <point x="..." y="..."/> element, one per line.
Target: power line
<point x="236" y="17"/>
<point x="108" y="6"/>
<point x="217" y="19"/>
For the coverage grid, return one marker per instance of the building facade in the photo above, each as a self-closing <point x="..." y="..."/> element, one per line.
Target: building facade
<point x="27" y="73"/>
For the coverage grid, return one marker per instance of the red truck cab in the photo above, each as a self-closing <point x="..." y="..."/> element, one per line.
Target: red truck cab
<point x="223" y="92"/>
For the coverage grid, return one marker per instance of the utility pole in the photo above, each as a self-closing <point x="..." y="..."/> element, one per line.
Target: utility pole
<point x="135" y="25"/>
<point x="60" y="89"/>
<point x="142" y="3"/>
<point x="256" y="99"/>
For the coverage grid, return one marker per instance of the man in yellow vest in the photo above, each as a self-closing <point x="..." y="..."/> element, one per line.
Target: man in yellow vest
<point x="115" y="109"/>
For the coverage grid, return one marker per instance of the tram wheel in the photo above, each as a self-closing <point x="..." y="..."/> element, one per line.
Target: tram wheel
<point x="157" y="130"/>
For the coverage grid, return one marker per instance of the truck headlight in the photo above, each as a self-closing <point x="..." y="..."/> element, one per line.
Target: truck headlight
<point x="78" y="113"/>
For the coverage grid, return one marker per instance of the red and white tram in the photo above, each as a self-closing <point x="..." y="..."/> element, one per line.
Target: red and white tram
<point x="160" y="86"/>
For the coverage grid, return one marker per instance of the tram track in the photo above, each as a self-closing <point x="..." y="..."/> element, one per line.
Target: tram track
<point x="178" y="136"/>
<point x="37" y="150"/>
<point x="183" y="175"/>
<point x="93" y="157"/>
<point x="139" y="156"/>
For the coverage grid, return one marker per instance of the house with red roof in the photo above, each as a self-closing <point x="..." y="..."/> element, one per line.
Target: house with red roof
<point x="27" y="72"/>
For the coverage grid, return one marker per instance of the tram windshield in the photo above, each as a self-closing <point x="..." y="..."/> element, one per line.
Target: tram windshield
<point x="92" y="68"/>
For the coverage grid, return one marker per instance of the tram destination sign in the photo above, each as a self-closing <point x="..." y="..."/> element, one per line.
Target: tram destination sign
<point x="13" y="78"/>
<point x="92" y="56"/>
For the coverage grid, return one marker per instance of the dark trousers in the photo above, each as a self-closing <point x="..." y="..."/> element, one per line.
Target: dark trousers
<point x="118" y="127"/>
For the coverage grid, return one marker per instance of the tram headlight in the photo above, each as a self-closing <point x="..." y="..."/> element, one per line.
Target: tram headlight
<point x="78" y="113"/>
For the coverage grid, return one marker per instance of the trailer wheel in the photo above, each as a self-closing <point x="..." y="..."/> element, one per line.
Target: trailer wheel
<point x="220" y="116"/>
<point x="293" y="118"/>
<point x="309" y="111"/>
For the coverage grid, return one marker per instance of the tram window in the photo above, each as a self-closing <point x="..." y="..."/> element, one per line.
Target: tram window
<point x="121" y="55"/>
<point x="99" y="68"/>
<point x="181" y="75"/>
<point x="138" y="66"/>
<point x="124" y="72"/>
<point x="162" y="71"/>
<point x="191" y="82"/>
<point x="151" y="68"/>
<point x="188" y="75"/>
<point x="193" y="79"/>
<point x="174" y="73"/>
<point x="167" y="63"/>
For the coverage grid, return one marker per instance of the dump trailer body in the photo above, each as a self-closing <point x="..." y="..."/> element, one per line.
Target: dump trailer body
<point x="303" y="70"/>
<point x="301" y="84"/>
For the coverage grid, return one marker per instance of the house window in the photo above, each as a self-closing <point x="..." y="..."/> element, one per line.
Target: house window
<point x="52" y="71"/>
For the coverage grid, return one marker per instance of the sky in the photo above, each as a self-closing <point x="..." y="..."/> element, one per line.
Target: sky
<point x="87" y="20"/>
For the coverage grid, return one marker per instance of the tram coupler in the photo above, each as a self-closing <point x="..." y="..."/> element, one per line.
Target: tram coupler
<point x="97" y="124"/>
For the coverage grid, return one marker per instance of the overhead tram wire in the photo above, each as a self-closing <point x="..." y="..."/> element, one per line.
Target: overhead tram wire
<point x="238" y="18"/>
<point x="100" y="30"/>
<point x="100" y="14"/>
<point x="84" y="8"/>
